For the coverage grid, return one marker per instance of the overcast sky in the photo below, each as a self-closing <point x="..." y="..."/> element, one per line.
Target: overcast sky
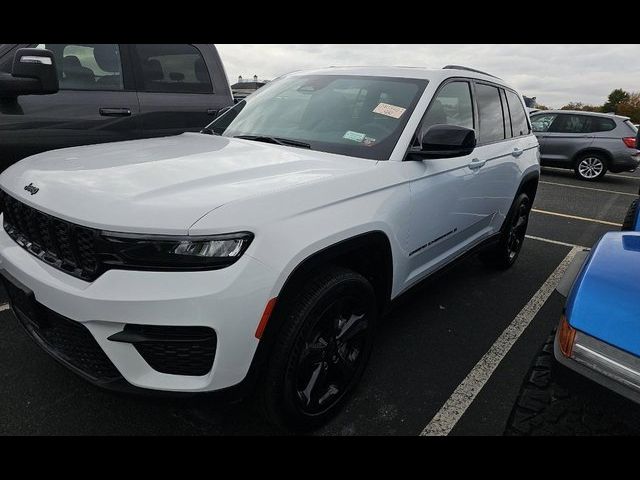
<point x="555" y="74"/>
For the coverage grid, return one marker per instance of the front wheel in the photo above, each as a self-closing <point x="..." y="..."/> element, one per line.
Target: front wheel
<point x="504" y="254"/>
<point x="322" y="350"/>
<point x="590" y="167"/>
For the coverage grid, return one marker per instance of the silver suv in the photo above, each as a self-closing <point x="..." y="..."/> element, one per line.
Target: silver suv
<point x="589" y="143"/>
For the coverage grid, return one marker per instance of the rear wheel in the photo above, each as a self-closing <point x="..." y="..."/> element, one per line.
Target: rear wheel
<point x="590" y="167"/>
<point x="322" y="350"/>
<point x="630" y="217"/>
<point x="504" y="254"/>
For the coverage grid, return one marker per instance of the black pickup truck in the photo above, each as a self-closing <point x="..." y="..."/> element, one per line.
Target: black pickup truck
<point x="62" y="95"/>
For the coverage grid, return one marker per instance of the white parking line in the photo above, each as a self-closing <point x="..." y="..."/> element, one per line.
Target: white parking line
<point x="575" y="217"/>
<point x="555" y="242"/>
<point x="464" y="395"/>
<point x="589" y="188"/>
<point x="4" y="306"/>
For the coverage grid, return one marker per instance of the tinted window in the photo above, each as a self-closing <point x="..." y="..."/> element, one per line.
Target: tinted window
<point x="360" y="116"/>
<point x="571" y="124"/>
<point x="451" y="106"/>
<point x="490" y="112"/>
<point x="508" y="130"/>
<point x="173" y="69"/>
<point x="542" y="122"/>
<point x="599" y="124"/>
<point x="87" y="66"/>
<point x="519" y="122"/>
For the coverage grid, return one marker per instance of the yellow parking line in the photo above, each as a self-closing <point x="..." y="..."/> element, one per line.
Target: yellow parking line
<point x="575" y="217"/>
<point x="589" y="188"/>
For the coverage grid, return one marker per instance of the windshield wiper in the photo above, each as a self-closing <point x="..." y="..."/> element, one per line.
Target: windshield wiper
<point x="276" y="140"/>
<point x="209" y="131"/>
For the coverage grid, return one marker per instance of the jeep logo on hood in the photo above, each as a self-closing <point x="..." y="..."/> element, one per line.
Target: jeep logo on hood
<point x="32" y="189"/>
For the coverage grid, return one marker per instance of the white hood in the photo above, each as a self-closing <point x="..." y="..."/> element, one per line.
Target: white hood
<point x="163" y="185"/>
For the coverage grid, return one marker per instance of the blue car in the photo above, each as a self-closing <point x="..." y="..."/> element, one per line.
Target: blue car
<point x="595" y="350"/>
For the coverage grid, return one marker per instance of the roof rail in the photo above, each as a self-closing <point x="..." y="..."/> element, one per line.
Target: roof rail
<point x="460" y="67"/>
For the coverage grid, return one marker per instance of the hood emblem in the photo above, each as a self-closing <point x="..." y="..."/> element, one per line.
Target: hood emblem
<point x="32" y="189"/>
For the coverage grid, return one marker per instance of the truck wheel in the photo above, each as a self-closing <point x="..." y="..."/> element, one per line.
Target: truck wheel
<point x="590" y="167"/>
<point x="630" y="217"/>
<point x="504" y="254"/>
<point x="321" y="351"/>
<point x="554" y="400"/>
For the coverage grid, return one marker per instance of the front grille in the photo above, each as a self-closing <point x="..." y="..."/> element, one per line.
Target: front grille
<point x="65" y="339"/>
<point x="64" y="245"/>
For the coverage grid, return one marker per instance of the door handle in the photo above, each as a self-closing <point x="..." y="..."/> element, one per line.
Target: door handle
<point x="476" y="163"/>
<point x="517" y="152"/>
<point x="115" y="112"/>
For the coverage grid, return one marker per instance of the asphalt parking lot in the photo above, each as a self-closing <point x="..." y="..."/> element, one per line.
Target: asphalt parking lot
<point x="442" y="363"/>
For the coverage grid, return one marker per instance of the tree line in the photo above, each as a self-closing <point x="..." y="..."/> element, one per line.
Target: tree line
<point x="619" y="102"/>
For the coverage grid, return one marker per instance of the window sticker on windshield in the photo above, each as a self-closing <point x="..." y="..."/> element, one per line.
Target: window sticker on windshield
<point x="392" y="111"/>
<point x="368" y="141"/>
<point x="355" y="136"/>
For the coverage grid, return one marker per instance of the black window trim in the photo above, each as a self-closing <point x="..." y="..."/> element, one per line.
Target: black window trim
<point x="139" y="80"/>
<point x="443" y="84"/>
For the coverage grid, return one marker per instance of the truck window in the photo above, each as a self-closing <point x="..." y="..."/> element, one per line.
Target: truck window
<point x="172" y="69"/>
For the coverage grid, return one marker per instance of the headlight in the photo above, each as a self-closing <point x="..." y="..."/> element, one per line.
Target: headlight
<point x="172" y="253"/>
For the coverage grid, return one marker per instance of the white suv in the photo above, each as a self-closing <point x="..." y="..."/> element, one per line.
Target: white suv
<point x="262" y="251"/>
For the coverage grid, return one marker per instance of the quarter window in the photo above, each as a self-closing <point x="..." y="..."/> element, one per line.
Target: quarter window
<point x="490" y="112"/>
<point x="173" y="68"/>
<point x="599" y="124"/>
<point x="518" y="114"/>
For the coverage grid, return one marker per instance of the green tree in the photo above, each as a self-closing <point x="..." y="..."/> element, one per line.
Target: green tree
<point x="615" y="98"/>
<point x="631" y="107"/>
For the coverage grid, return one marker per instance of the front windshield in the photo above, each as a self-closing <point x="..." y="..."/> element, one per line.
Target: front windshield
<point x="360" y="116"/>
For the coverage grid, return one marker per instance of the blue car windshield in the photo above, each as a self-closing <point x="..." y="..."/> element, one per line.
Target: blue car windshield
<point x="360" y="116"/>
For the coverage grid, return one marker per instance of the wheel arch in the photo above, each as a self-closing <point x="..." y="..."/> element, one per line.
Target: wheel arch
<point x="594" y="150"/>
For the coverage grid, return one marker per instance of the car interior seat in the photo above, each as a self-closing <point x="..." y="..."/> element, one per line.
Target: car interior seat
<point x="108" y="60"/>
<point x="75" y="75"/>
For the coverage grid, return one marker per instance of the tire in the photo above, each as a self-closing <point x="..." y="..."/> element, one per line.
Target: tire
<point x="312" y="369"/>
<point x="630" y="218"/>
<point x="590" y="167"/>
<point x="505" y="253"/>
<point x="554" y="400"/>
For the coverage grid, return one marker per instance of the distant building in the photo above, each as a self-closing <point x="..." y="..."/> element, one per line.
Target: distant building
<point x="246" y="87"/>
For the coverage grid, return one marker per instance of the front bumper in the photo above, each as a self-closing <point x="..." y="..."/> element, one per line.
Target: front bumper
<point x="229" y="301"/>
<point x="604" y="364"/>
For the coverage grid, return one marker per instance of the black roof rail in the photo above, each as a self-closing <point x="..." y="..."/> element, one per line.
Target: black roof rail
<point x="461" y="67"/>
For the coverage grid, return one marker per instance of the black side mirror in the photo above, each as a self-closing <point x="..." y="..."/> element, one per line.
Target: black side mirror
<point x="446" y="141"/>
<point x="34" y="73"/>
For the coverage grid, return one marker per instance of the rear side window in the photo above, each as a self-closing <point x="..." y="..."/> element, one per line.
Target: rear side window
<point x="519" y="122"/>
<point x="599" y="124"/>
<point x="490" y="112"/>
<point x="172" y="68"/>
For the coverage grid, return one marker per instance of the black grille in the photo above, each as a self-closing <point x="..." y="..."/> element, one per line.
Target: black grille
<point x="62" y="244"/>
<point x="175" y="350"/>
<point x="65" y="339"/>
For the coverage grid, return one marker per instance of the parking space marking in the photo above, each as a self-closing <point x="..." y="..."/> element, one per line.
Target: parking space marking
<point x="555" y="242"/>
<point x="589" y="188"/>
<point x="575" y="217"/>
<point x="464" y="395"/>
<point x="4" y="306"/>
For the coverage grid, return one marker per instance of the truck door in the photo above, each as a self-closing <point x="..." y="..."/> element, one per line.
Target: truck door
<point x="175" y="87"/>
<point x="96" y="103"/>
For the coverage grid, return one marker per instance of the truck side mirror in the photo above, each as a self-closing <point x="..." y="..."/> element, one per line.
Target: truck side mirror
<point x="34" y="73"/>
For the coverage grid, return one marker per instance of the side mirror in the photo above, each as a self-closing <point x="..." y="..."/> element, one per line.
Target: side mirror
<point x="33" y="73"/>
<point x="446" y="141"/>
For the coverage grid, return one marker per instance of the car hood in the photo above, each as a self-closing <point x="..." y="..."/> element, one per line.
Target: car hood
<point x="604" y="302"/>
<point x="164" y="185"/>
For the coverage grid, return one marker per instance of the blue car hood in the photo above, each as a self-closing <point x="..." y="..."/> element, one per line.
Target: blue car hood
<point x="605" y="299"/>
